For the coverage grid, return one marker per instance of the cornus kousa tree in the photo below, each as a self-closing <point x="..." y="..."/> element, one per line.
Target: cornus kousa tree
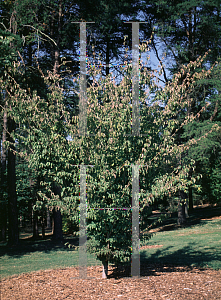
<point x="55" y="149"/>
<point x="112" y="150"/>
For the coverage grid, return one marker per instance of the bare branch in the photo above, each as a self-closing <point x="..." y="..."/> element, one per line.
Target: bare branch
<point x="41" y="33"/>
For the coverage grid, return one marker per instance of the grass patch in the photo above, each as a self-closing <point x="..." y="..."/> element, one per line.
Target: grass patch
<point x="38" y="255"/>
<point x="198" y="245"/>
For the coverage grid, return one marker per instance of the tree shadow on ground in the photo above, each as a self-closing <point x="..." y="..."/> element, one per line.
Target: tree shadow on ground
<point x="196" y="217"/>
<point x="185" y="259"/>
<point x="30" y="245"/>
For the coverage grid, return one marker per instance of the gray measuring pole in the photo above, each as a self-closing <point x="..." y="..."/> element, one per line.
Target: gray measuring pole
<point x="135" y="264"/>
<point x="135" y="80"/>
<point x="82" y="225"/>
<point x="83" y="82"/>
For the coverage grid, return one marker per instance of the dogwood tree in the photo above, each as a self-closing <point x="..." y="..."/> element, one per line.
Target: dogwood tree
<point x="112" y="150"/>
<point x="55" y="150"/>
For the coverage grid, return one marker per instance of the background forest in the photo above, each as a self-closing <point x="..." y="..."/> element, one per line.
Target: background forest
<point x="180" y="113"/>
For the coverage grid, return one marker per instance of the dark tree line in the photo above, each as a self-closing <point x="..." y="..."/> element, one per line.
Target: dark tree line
<point x="42" y="35"/>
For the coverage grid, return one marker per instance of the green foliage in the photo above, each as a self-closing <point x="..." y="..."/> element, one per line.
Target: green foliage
<point x="206" y="152"/>
<point x="25" y="185"/>
<point x="7" y="54"/>
<point x="68" y="225"/>
<point x="181" y="121"/>
<point x="45" y="125"/>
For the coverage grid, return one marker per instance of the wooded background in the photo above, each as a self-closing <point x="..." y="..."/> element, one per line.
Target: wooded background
<point x="39" y="71"/>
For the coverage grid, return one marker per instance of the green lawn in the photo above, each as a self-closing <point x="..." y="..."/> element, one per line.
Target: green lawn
<point x="198" y="245"/>
<point x="39" y="255"/>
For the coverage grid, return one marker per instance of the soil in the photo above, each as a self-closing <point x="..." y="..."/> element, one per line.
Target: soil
<point x="155" y="283"/>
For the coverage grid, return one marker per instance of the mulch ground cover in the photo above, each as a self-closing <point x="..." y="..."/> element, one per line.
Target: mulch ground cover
<point x="156" y="282"/>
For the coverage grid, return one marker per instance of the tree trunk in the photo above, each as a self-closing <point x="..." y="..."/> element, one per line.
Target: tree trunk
<point x="30" y="213"/>
<point x="35" y="226"/>
<point x="20" y="221"/>
<point x="3" y="216"/>
<point x="190" y="190"/>
<point x="55" y="49"/>
<point x="3" y="204"/>
<point x="181" y="214"/>
<point x="56" y="61"/>
<point x="48" y="218"/>
<point x="105" y="269"/>
<point x="43" y="219"/>
<point x="108" y="57"/>
<point x="181" y="209"/>
<point x="57" y="228"/>
<point x="190" y="199"/>
<point x="43" y="229"/>
<point x="13" y="234"/>
<point x="186" y="210"/>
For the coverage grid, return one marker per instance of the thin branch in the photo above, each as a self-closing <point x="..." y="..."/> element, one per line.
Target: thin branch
<point x="174" y="55"/>
<point x="4" y="26"/>
<point x="215" y="111"/>
<point x="41" y="33"/>
<point x="164" y="72"/>
<point x="21" y="57"/>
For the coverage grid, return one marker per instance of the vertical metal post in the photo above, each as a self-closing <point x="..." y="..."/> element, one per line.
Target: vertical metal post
<point x="83" y="82"/>
<point x="135" y="264"/>
<point x="135" y="80"/>
<point x="82" y="225"/>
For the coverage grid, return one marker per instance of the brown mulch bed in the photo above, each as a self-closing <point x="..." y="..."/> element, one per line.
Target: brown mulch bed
<point x="156" y="282"/>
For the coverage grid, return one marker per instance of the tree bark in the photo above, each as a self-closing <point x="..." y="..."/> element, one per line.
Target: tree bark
<point x="20" y="221"/>
<point x="43" y="230"/>
<point x="108" y="57"/>
<point x="3" y="207"/>
<point x="181" y="209"/>
<point x="48" y="218"/>
<point x="181" y="214"/>
<point x="43" y="225"/>
<point x="56" y="61"/>
<point x="190" y="190"/>
<point x="55" y="49"/>
<point x="186" y="210"/>
<point x="35" y="226"/>
<point x="57" y="228"/>
<point x="13" y="234"/>
<point x="105" y="269"/>
<point x="190" y="199"/>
